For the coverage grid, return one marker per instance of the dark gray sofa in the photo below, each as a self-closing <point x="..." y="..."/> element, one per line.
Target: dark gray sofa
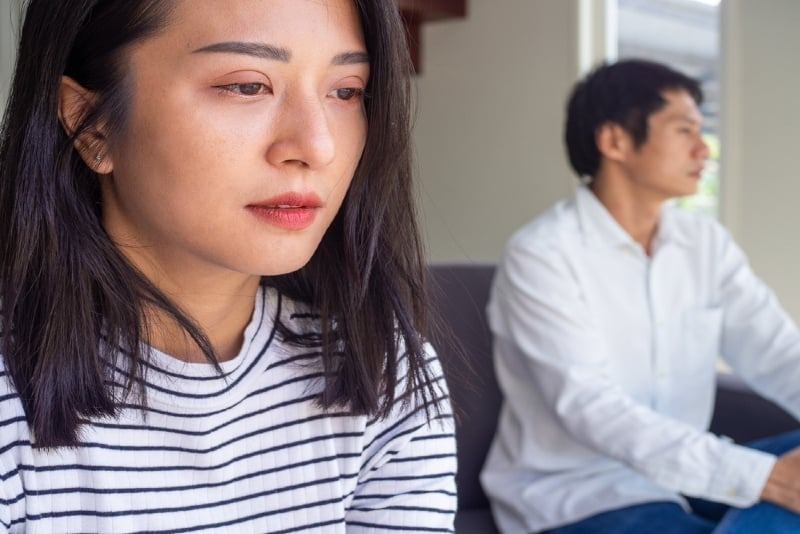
<point x="460" y="292"/>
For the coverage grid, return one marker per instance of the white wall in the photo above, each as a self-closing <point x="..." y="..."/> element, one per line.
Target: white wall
<point x="488" y="134"/>
<point x="761" y="125"/>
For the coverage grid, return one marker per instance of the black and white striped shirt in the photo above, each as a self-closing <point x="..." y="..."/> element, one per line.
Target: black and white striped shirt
<point x="245" y="451"/>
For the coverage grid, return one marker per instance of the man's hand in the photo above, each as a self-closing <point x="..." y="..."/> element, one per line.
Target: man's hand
<point x="783" y="485"/>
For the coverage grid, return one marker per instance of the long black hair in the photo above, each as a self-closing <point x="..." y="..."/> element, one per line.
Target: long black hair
<point x="66" y="291"/>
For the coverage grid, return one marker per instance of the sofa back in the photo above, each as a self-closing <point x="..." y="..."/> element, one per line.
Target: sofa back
<point x="460" y="294"/>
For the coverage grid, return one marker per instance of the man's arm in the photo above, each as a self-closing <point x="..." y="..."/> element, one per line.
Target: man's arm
<point x="760" y="341"/>
<point x="762" y="345"/>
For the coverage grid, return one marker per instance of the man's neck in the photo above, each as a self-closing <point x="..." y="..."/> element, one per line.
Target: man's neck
<point x="635" y="211"/>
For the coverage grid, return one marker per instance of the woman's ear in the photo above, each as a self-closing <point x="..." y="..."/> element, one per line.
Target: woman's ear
<point x="75" y="103"/>
<point x="613" y="142"/>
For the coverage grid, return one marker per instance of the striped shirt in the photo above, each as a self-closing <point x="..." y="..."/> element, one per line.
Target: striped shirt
<point x="247" y="450"/>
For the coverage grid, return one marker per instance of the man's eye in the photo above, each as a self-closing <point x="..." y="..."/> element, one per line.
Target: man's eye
<point x="348" y="93"/>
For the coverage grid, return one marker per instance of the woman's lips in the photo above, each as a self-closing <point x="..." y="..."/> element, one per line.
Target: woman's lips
<point x="290" y="211"/>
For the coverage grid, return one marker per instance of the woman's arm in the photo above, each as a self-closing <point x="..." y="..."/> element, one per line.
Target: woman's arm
<point x="407" y="476"/>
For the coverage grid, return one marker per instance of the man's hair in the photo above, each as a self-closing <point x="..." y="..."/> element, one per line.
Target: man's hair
<point x="624" y="93"/>
<point x="67" y="292"/>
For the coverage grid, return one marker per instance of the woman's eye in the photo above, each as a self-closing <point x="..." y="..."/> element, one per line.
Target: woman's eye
<point x="246" y="89"/>
<point x="347" y="93"/>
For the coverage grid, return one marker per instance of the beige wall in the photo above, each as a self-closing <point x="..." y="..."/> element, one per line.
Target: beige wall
<point x="9" y="22"/>
<point x="490" y="112"/>
<point x="760" y="85"/>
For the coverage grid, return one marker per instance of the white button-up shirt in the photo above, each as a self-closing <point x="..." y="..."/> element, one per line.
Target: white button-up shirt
<point x="606" y="357"/>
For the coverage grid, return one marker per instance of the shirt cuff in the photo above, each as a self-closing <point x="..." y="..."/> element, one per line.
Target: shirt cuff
<point x="742" y="474"/>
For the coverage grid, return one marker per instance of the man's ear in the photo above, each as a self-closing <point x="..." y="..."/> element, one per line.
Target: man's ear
<point x="75" y="103"/>
<point x="613" y="141"/>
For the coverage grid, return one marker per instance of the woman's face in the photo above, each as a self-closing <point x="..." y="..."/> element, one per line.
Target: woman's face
<point x="245" y="128"/>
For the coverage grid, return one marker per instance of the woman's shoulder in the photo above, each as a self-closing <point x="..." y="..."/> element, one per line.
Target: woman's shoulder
<point x="300" y="329"/>
<point x="13" y="424"/>
<point x="9" y="397"/>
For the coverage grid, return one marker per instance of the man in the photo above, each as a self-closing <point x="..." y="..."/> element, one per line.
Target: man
<point x="609" y="312"/>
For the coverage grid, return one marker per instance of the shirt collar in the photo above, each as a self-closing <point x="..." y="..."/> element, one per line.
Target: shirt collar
<point x="670" y="229"/>
<point x="600" y="229"/>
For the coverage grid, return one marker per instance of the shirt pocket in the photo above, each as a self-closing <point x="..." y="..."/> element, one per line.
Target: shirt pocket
<point x="701" y="336"/>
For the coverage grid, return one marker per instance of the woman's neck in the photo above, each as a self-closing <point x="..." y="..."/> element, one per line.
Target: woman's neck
<point x="220" y="302"/>
<point x="222" y="314"/>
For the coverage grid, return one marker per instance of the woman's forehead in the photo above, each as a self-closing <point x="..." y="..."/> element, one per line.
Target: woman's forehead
<point x="197" y="22"/>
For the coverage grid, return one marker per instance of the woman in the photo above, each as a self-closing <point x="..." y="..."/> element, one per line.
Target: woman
<point x="211" y="275"/>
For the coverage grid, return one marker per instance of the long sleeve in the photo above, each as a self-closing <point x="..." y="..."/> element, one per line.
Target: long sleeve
<point x="759" y="340"/>
<point x="13" y="438"/>
<point x="5" y="506"/>
<point x="407" y="479"/>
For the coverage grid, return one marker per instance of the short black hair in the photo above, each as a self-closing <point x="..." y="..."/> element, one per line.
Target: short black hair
<point x="624" y="93"/>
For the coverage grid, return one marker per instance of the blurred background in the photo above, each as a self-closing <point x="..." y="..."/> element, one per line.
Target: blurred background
<point x="491" y="93"/>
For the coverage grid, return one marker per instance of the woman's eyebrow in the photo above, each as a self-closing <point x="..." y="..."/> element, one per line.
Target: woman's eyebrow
<point x="260" y="50"/>
<point x="268" y="51"/>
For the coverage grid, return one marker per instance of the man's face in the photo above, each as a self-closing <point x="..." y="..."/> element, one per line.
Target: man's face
<point x="670" y="161"/>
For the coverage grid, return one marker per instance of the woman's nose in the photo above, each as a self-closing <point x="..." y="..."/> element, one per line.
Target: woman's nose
<point x="302" y="134"/>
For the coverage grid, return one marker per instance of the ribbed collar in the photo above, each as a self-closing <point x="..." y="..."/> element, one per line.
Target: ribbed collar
<point x="175" y="382"/>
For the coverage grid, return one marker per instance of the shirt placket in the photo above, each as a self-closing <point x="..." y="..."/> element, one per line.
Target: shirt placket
<point x="658" y="332"/>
